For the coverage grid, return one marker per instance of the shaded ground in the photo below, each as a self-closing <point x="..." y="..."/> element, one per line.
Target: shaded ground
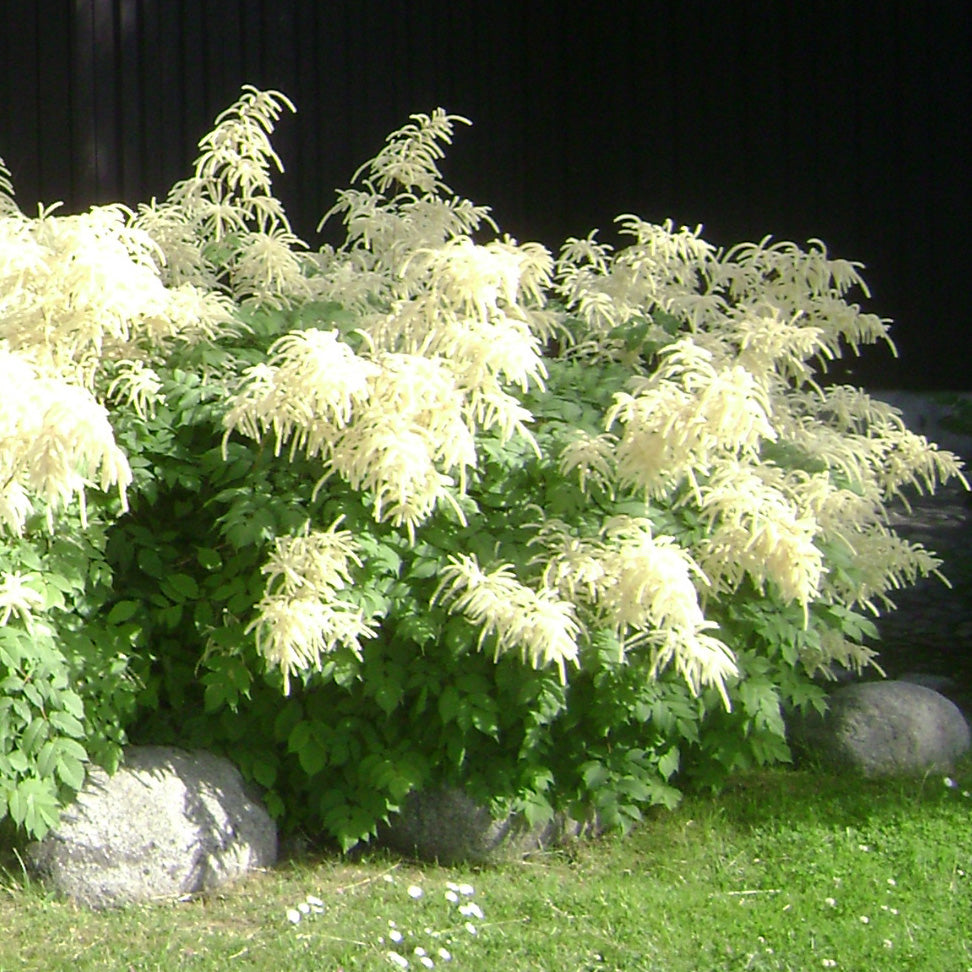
<point x="932" y="629"/>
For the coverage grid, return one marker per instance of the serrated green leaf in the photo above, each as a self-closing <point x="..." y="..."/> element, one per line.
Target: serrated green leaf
<point x="422" y="568"/>
<point x="595" y="775"/>
<point x="388" y="696"/>
<point x="214" y="695"/>
<point x="149" y="562"/>
<point x="70" y="771"/>
<point x="668" y="762"/>
<point x="66" y="723"/>
<point x="264" y="772"/>
<point x="34" y="735"/>
<point x="17" y="762"/>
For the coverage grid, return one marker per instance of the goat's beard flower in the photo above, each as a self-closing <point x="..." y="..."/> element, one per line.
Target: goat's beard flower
<point x="303" y="614"/>
<point x="644" y="589"/>
<point x="54" y="437"/>
<point x="538" y="624"/>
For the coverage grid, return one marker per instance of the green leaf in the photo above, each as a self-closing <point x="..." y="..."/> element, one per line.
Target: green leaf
<point x="149" y="562"/>
<point x="449" y="704"/>
<point x="388" y="696"/>
<point x="668" y="762"/>
<point x="67" y="723"/>
<point x="208" y="558"/>
<point x="34" y="736"/>
<point x="215" y="695"/>
<point x="305" y="740"/>
<point x="70" y="771"/>
<point x="264" y="772"/>
<point x="595" y="775"/>
<point x="422" y="568"/>
<point x="180" y="588"/>
<point x="123" y="611"/>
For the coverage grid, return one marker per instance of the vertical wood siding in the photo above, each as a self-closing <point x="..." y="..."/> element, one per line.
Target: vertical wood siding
<point x="848" y="122"/>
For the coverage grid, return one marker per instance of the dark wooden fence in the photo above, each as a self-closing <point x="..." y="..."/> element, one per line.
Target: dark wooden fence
<point x="844" y="121"/>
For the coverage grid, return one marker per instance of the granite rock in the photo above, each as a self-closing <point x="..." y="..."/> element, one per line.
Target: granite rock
<point x="890" y="728"/>
<point x="168" y="823"/>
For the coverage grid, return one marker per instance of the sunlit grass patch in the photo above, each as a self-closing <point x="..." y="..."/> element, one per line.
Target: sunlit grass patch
<point x="784" y="871"/>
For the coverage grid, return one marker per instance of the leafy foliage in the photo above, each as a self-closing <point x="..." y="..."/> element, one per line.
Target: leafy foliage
<point x="422" y="510"/>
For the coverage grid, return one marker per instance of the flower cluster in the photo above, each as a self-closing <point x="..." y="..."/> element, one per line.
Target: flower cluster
<point x="730" y="423"/>
<point x="54" y="436"/>
<point x="643" y="588"/>
<point x="539" y="624"/>
<point x="302" y="615"/>
<point x="447" y="329"/>
<point x="406" y="949"/>
<point x="223" y="226"/>
<point x="448" y="341"/>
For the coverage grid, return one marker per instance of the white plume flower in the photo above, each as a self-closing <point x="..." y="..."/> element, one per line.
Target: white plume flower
<point x="537" y="624"/>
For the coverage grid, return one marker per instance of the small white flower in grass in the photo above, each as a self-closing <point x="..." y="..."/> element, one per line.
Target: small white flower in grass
<point x="949" y="782"/>
<point x="471" y="928"/>
<point x="864" y="919"/>
<point x="829" y="963"/>
<point x="452" y="897"/>
<point x="471" y="910"/>
<point x="396" y="936"/>
<point x="397" y="959"/>
<point x="311" y="905"/>
<point x="892" y="882"/>
<point x="445" y="955"/>
<point x="830" y="902"/>
<point x="887" y="943"/>
<point x="414" y="891"/>
<point x="466" y="889"/>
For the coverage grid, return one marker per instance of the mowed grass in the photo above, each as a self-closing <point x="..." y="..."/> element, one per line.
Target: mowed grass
<point x="786" y="870"/>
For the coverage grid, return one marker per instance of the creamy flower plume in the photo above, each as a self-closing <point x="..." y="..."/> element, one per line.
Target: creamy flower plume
<point x="755" y="530"/>
<point x="303" y="616"/>
<point x="537" y="624"/>
<point x="688" y="415"/>
<point x="644" y="588"/>
<point x="54" y="439"/>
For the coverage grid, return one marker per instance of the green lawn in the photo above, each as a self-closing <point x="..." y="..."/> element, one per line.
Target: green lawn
<point x="785" y="871"/>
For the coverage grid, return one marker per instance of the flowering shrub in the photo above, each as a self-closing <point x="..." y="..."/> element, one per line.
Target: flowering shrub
<point x="422" y="510"/>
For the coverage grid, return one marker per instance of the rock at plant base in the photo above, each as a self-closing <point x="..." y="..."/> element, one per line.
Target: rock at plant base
<point x="446" y="826"/>
<point x="951" y="688"/>
<point x="168" y="823"/>
<point x="893" y="728"/>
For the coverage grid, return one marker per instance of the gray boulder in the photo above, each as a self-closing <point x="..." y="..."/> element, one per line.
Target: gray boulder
<point x="446" y="826"/>
<point x="951" y="688"/>
<point x="167" y="824"/>
<point x="892" y="728"/>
